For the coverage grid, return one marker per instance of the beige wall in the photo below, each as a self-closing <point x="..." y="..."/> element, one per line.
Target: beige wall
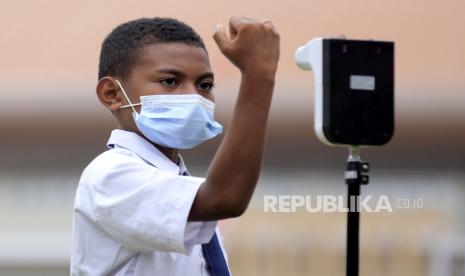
<point x="49" y="59"/>
<point x="50" y="48"/>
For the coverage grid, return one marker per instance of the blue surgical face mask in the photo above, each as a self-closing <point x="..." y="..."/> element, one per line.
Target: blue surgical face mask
<point x="175" y="121"/>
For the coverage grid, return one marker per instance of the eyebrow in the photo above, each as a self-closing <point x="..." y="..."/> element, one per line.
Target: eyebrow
<point x="177" y="72"/>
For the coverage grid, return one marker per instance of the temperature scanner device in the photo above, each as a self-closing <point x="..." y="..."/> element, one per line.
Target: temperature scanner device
<point x="354" y="89"/>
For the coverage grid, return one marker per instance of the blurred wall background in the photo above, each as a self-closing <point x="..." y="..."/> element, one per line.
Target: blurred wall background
<point x="52" y="125"/>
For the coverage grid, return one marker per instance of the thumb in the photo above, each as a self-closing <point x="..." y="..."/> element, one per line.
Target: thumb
<point x="220" y="37"/>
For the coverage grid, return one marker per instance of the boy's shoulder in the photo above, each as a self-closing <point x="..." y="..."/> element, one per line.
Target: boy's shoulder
<point x="107" y="162"/>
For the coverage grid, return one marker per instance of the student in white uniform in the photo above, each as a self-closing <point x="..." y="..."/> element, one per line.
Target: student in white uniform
<point x="137" y="210"/>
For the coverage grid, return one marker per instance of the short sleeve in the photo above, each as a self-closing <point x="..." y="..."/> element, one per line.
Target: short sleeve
<point x="146" y="209"/>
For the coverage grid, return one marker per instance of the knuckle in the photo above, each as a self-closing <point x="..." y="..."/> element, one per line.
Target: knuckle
<point x="268" y="27"/>
<point x="234" y="18"/>
<point x="247" y="27"/>
<point x="263" y="25"/>
<point x="226" y="49"/>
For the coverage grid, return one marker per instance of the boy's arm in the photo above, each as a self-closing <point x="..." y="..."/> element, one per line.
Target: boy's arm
<point x="253" y="47"/>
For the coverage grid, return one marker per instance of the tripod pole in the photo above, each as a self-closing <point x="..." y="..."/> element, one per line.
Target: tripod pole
<point x="356" y="174"/>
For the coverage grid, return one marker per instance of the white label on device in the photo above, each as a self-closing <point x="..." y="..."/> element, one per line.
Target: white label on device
<point x="358" y="82"/>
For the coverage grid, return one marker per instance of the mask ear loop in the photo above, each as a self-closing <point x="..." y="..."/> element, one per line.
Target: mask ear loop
<point x="127" y="98"/>
<point x="125" y="95"/>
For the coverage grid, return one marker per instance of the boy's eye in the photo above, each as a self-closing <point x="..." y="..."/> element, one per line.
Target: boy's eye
<point x="168" y="82"/>
<point x="206" y="85"/>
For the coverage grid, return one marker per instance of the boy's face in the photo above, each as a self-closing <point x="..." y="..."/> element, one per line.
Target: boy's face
<point x="164" y="68"/>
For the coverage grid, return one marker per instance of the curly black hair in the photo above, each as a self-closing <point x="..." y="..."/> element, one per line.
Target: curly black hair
<point x="121" y="47"/>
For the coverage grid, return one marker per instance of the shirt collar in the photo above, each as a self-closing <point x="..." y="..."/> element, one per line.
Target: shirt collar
<point x="144" y="149"/>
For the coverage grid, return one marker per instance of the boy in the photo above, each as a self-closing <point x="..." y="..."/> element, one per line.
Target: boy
<point x="137" y="210"/>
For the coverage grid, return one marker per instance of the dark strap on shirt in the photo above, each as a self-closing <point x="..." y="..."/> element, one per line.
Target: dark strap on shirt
<point x="213" y="254"/>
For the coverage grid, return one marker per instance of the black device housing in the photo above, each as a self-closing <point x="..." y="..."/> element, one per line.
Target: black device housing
<point x="354" y="111"/>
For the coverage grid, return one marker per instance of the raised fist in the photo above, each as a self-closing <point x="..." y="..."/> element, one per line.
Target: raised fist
<point x="252" y="46"/>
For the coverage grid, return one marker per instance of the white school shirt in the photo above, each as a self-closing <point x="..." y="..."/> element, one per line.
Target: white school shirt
<point x="130" y="214"/>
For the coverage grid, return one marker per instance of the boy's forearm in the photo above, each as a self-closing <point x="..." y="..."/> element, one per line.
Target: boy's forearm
<point x="236" y="166"/>
<point x="253" y="47"/>
<point x="234" y="172"/>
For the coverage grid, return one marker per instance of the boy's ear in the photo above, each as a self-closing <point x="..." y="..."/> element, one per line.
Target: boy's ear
<point x="107" y="92"/>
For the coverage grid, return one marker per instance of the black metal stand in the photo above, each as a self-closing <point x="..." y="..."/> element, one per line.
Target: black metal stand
<point x="356" y="174"/>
